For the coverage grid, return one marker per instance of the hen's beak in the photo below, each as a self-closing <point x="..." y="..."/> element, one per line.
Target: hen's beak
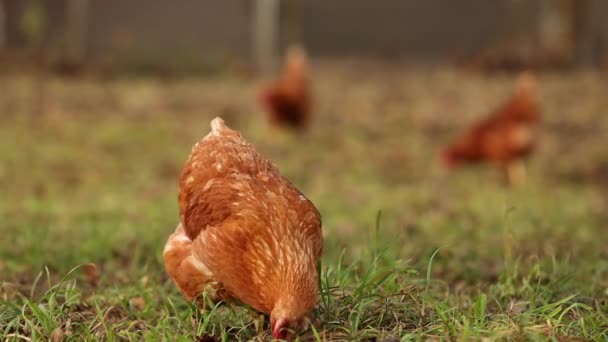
<point x="279" y="329"/>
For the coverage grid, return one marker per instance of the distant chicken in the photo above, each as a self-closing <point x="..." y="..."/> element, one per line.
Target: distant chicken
<point x="504" y="138"/>
<point x="287" y="100"/>
<point x="246" y="233"/>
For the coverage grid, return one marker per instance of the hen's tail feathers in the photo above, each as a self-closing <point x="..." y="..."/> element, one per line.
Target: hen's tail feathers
<point x="190" y="275"/>
<point x="217" y="125"/>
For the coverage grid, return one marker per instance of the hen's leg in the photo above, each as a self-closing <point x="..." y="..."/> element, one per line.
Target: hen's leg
<point x="191" y="276"/>
<point x="516" y="172"/>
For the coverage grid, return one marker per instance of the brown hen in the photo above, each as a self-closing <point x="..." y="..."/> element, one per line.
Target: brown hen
<point x="246" y="232"/>
<point x="287" y="100"/>
<point x="504" y="138"/>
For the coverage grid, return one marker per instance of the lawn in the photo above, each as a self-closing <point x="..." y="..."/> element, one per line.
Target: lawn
<point x="89" y="168"/>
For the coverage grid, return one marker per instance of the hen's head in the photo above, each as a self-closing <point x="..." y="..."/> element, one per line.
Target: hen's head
<point x="296" y="62"/>
<point x="285" y="322"/>
<point x="265" y="98"/>
<point x="527" y="84"/>
<point x="291" y="313"/>
<point x="449" y="159"/>
<point x="527" y="96"/>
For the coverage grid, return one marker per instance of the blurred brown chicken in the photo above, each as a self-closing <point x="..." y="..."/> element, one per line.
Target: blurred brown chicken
<point x="287" y="100"/>
<point x="246" y="232"/>
<point x="504" y="138"/>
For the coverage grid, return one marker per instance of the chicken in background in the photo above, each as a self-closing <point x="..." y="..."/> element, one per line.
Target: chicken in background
<point x="287" y="100"/>
<point x="246" y="233"/>
<point x="507" y="136"/>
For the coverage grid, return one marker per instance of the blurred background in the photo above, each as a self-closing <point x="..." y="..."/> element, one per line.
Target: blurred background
<point x="195" y="35"/>
<point x="102" y="100"/>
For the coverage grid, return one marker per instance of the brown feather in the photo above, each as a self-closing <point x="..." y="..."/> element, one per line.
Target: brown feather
<point x="288" y="99"/>
<point x="508" y="134"/>
<point x="256" y="234"/>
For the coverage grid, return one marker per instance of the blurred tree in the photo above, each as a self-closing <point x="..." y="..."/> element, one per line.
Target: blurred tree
<point x="560" y="26"/>
<point x="2" y="25"/>
<point x="33" y="23"/>
<point x="265" y="34"/>
<point x="554" y="40"/>
<point x="75" y="36"/>
<point x="591" y="31"/>
<point x="291" y="22"/>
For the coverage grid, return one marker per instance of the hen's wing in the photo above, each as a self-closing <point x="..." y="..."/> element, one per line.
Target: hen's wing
<point x="189" y="275"/>
<point x="273" y="230"/>
<point x="206" y="183"/>
<point x="248" y="224"/>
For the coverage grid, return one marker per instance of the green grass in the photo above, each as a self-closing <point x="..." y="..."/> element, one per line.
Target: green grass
<point x="92" y="179"/>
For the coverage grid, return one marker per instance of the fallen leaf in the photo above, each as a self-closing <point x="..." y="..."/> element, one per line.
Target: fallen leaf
<point x="206" y="338"/>
<point x="68" y="328"/>
<point x="517" y="307"/>
<point x="138" y="303"/>
<point x="92" y="274"/>
<point x="144" y="281"/>
<point x="57" y="335"/>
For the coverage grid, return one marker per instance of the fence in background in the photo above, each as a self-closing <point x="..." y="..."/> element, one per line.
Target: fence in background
<point x="195" y="32"/>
